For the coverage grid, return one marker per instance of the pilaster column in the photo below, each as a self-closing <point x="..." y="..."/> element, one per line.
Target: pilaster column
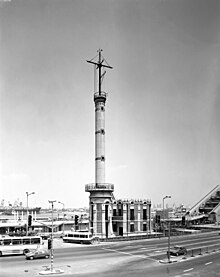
<point x="125" y="219"/>
<point x="95" y="219"/>
<point x="103" y="220"/>
<point x="139" y="218"/>
<point x="110" y="221"/>
<point x="149" y="217"/>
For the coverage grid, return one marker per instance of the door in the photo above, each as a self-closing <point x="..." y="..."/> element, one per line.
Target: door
<point x="106" y="229"/>
<point x="120" y="231"/>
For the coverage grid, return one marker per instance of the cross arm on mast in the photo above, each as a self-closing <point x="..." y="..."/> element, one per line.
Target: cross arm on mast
<point x="100" y="64"/>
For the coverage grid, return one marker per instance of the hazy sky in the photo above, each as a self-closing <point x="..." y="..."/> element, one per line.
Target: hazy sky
<point x="162" y="111"/>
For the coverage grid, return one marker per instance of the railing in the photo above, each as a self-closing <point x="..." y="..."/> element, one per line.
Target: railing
<point x="202" y="250"/>
<point x="99" y="187"/>
<point x="100" y="94"/>
<point x="117" y="218"/>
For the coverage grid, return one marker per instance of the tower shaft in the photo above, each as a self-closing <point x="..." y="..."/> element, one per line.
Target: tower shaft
<point x="99" y="138"/>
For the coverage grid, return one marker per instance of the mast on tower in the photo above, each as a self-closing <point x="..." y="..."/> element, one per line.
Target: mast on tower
<point x="99" y="64"/>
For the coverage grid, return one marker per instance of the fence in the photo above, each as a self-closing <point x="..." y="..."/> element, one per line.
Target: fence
<point x="202" y="250"/>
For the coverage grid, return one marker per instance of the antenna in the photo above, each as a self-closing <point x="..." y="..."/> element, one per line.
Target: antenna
<point x="99" y="64"/>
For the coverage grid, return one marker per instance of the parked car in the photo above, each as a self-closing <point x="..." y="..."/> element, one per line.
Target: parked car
<point x="177" y="250"/>
<point x="38" y="254"/>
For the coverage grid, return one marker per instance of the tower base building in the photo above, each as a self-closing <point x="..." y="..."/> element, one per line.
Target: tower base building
<point x="110" y="217"/>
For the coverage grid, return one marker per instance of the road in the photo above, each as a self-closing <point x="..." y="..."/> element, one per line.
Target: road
<point x="129" y="258"/>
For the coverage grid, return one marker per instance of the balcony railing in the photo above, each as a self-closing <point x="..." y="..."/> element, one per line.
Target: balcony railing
<point x="100" y="94"/>
<point x="99" y="187"/>
<point x="117" y="218"/>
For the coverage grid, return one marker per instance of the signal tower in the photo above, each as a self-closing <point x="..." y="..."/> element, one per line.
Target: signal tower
<point x="101" y="193"/>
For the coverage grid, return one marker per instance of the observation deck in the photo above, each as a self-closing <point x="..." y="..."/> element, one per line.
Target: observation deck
<point x="99" y="187"/>
<point x="100" y="96"/>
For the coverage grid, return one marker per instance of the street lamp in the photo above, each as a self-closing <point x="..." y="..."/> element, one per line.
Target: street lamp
<point x="63" y="214"/>
<point x="168" y="252"/>
<point x="165" y="197"/>
<point x="51" y="269"/>
<point x="28" y="194"/>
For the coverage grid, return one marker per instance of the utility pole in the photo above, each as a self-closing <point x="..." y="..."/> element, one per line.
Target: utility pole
<point x="51" y="250"/>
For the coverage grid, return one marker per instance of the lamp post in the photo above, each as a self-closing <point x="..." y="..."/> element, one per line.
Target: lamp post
<point x="168" y="239"/>
<point x="165" y="197"/>
<point x="28" y="194"/>
<point x="51" y="268"/>
<point x="168" y="252"/>
<point x="63" y="214"/>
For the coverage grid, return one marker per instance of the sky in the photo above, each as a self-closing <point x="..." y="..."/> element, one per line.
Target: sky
<point x="162" y="110"/>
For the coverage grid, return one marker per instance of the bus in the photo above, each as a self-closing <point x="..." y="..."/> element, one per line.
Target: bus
<point x="19" y="245"/>
<point x="81" y="237"/>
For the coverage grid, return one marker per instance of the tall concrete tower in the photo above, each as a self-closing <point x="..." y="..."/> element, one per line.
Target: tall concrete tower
<point x="101" y="193"/>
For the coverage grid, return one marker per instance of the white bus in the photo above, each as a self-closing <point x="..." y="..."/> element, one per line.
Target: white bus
<point x="81" y="237"/>
<point x="19" y="245"/>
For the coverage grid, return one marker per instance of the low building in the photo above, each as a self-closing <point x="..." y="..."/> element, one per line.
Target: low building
<point x="131" y="217"/>
<point x="110" y="217"/>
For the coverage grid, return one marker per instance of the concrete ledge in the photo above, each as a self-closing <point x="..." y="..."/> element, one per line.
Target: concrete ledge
<point x="51" y="272"/>
<point x="167" y="261"/>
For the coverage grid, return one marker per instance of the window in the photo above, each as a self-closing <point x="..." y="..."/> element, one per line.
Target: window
<point x="26" y="241"/>
<point x="92" y="212"/>
<point x="106" y="212"/>
<point x="35" y="240"/>
<point x="144" y="227"/>
<point x="144" y="214"/>
<point x="16" y="241"/>
<point x="132" y="228"/>
<point x="102" y="158"/>
<point x="114" y="227"/>
<point x="131" y="214"/>
<point x="114" y="212"/>
<point x="7" y="242"/>
<point x="120" y="212"/>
